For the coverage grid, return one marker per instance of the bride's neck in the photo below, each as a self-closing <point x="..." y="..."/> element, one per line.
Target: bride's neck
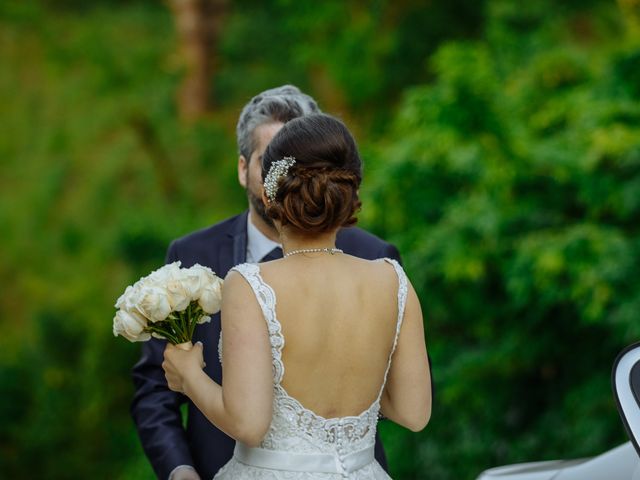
<point x="292" y="241"/>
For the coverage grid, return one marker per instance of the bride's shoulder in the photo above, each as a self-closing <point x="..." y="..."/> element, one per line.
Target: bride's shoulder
<point x="385" y="270"/>
<point x="384" y="263"/>
<point x="241" y="278"/>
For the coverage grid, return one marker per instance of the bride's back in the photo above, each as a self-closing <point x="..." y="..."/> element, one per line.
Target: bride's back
<point x="338" y="315"/>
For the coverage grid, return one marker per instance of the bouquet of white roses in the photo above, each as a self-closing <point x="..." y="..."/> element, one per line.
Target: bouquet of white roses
<point x="168" y="303"/>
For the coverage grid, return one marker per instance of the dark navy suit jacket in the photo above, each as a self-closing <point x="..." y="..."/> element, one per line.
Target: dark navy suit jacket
<point x="155" y="408"/>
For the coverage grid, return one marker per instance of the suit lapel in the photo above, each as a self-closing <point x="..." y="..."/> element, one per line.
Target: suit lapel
<point x="234" y="251"/>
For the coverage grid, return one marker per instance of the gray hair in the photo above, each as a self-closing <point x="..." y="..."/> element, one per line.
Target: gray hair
<point x="279" y="104"/>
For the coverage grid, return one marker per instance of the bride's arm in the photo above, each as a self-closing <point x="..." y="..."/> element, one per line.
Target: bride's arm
<point x="242" y="407"/>
<point x="407" y="395"/>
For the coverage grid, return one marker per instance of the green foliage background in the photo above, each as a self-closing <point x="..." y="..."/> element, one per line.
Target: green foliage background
<point x="502" y="150"/>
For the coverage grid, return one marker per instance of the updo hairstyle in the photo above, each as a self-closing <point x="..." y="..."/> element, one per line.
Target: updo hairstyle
<point x="320" y="191"/>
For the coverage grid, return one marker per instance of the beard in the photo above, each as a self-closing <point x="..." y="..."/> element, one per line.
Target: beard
<point x="258" y="206"/>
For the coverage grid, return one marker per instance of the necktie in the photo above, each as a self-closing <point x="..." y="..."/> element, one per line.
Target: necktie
<point x="274" y="254"/>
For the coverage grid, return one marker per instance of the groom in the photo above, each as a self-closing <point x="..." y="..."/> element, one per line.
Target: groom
<point x="200" y="450"/>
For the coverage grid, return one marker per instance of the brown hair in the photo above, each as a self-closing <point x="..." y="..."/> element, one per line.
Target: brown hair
<point x="320" y="191"/>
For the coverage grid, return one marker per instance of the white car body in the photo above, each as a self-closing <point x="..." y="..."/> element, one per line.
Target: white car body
<point x="620" y="463"/>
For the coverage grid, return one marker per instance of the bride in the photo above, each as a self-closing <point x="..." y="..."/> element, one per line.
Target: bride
<point x="319" y="343"/>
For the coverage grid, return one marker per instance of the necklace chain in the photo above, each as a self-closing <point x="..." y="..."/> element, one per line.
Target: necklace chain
<point x="332" y="251"/>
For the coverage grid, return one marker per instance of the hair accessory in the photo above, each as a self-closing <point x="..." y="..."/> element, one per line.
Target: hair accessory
<point x="278" y="169"/>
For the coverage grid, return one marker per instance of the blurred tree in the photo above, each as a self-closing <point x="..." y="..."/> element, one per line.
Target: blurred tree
<point x="199" y="24"/>
<point x="353" y="56"/>
<point x="510" y="185"/>
<point x="631" y="14"/>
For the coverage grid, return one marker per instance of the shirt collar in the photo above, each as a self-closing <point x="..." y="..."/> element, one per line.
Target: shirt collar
<point x="258" y="244"/>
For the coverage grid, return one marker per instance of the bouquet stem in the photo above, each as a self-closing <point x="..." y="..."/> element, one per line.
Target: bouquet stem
<point x="178" y="328"/>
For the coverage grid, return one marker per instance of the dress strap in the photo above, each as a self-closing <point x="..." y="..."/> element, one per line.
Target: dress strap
<point x="402" y="300"/>
<point x="267" y="300"/>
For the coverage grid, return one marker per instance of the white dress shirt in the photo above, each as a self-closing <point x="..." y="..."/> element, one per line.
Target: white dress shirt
<point x="258" y="244"/>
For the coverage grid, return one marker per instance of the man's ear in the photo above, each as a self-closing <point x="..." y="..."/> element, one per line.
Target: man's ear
<point x="243" y="169"/>
<point x="265" y="199"/>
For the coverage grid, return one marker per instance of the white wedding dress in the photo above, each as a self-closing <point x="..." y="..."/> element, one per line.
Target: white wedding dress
<point x="299" y="443"/>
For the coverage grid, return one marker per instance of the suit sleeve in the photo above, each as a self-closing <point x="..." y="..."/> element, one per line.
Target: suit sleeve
<point x="156" y="409"/>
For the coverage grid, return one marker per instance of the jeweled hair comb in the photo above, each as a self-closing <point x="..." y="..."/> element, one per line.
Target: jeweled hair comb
<point x="278" y="169"/>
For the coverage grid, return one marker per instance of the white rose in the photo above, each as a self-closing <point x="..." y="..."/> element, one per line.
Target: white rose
<point x="122" y="299"/>
<point x="195" y="279"/>
<point x="129" y="299"/>
<point x="118" y="328"/>
<point x="178" y="295"/>
<point x="192" y="282"/>
<point x="164" y="274"/>
<point x="130" y="325"/>
<point x="211" y="296"/>
<point x="153" y="303"/>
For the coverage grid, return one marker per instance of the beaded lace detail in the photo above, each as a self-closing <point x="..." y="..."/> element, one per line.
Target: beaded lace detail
<point x="295" y="428"/>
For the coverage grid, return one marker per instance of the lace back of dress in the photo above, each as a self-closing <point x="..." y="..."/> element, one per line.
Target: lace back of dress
<point x="294" y="427"/>
<point x="267" y="300"/>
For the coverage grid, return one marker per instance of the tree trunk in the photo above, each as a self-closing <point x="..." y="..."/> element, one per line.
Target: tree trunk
<point x="198" y="24"/>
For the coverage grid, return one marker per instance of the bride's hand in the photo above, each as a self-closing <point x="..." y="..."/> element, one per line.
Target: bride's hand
<point x="178" y="363"/>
